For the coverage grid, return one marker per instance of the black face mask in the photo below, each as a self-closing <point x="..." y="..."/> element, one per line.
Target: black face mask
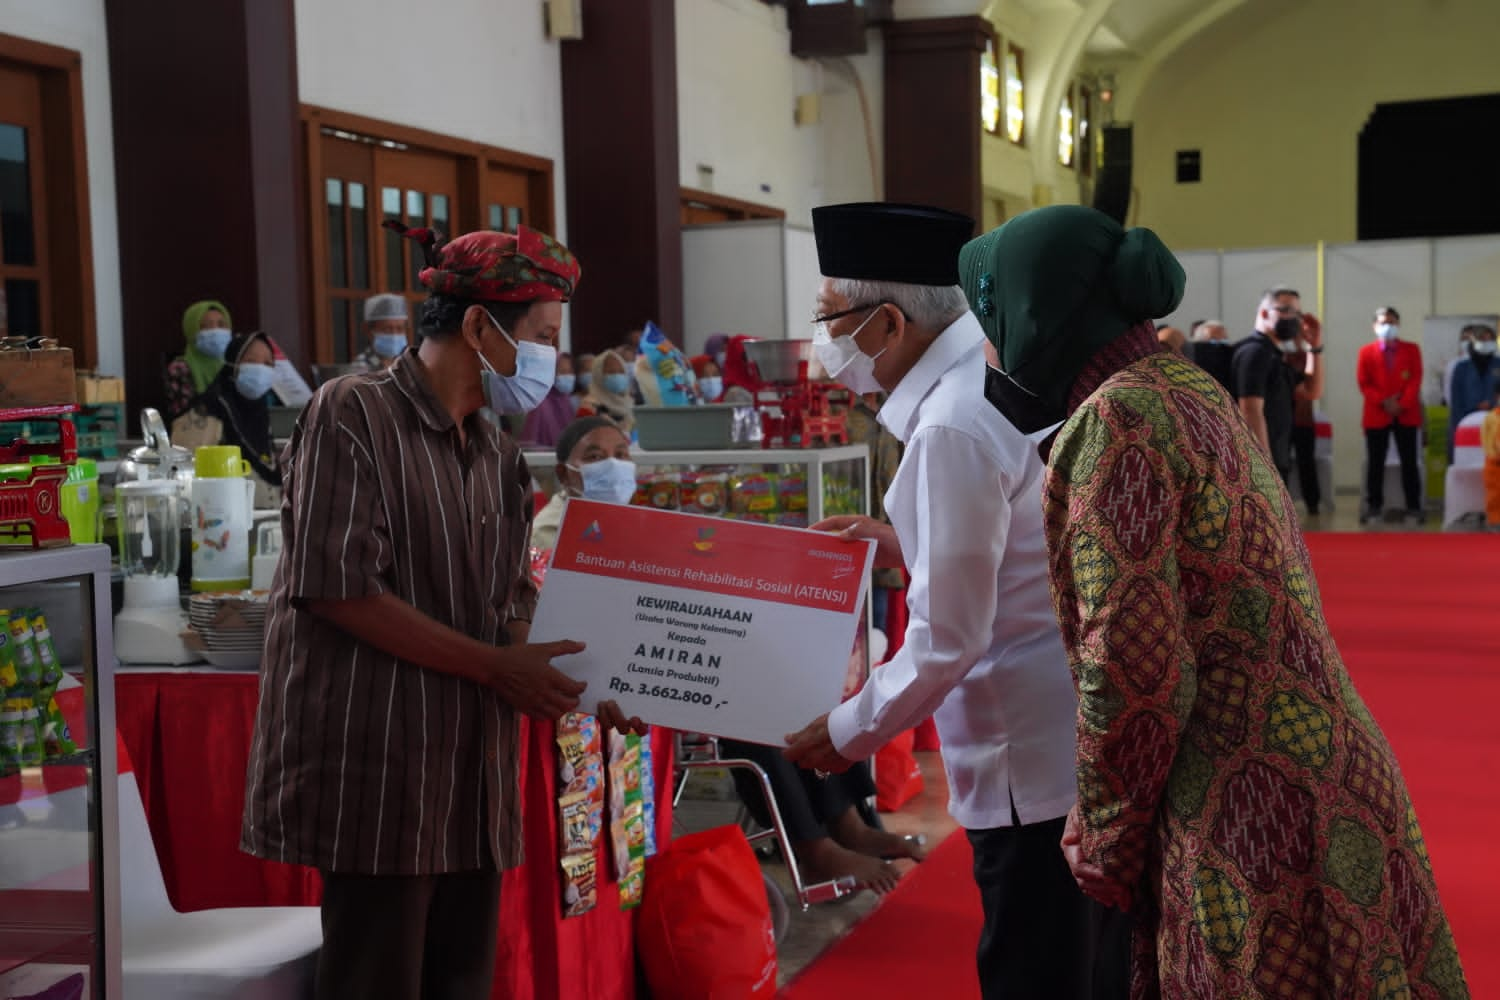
<point x="1288" y="327"/>
<point x="1027" y="412"/>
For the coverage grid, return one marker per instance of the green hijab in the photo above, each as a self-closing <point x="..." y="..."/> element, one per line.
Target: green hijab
<point x="1054" y="285"/>
<point x="204" y="366"/>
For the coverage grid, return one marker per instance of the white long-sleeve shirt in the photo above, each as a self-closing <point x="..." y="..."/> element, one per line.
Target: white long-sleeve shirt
<point x="982" y="651"/>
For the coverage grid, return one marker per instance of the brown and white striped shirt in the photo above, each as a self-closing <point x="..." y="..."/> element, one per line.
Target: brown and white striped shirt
<point x="362" y="762"/>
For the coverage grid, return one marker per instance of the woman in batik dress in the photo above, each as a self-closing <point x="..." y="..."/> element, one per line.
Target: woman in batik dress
<point x="1233" y="790"/>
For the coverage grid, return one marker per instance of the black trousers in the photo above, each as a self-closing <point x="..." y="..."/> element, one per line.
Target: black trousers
<point x="1304" y="445"/>
<point x="408" y="937"/>
<point x="1043" y="939"/>
<point x="1377" y="442"/>
<point x="807" y="803"/>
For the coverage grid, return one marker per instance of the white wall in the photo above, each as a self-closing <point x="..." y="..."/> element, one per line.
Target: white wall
<point x="480" y="70"/>
<point x="737" y="86"/>
<point x="79" y="25"/>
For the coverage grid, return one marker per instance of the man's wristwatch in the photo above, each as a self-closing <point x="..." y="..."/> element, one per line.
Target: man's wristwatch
<point x="1315" y="350"/>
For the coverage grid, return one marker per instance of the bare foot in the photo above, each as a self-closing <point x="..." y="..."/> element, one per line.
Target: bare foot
<point x="824" y="861"/>
<point x="857" y="835"/>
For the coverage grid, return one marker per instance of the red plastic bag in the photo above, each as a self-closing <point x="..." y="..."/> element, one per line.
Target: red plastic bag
<point x="704" y="931"/>
<point x="898" y="779"/>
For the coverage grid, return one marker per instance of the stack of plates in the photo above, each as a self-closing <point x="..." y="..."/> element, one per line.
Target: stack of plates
<point x="232" y="626"/>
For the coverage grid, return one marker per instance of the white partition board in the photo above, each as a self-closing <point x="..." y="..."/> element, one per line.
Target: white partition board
<point x="1248" y="273"/>
<point x="802" y="280"/>
<point x="1360" y="278"/>
<point x="1200" y="299"/>
<point x="733" y="281"/>
<point x="1464" y="275"/>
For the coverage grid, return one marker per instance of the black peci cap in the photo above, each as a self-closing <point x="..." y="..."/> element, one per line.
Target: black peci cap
<point x="882" y="241"/>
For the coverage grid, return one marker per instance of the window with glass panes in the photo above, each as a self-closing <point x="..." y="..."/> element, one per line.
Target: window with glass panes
<point x="1066" y="129"/>
<point x="989" y="89"/>
<point x="1015" y="95"/>
<point x="367" y="173"/>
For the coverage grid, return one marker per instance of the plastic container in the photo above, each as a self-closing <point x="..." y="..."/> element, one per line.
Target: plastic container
<point x="697" y="428"/>
<point x="79" y="495"/>
<point x="223" y="500"/>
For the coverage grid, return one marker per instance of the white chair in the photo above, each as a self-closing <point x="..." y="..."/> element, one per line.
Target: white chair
<point x="1463" y="485"/>
<point x="250" y="953"/>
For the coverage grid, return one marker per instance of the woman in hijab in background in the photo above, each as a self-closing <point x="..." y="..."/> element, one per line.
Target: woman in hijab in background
<point x="234" y="410"/>
<point x="557" y="409"/>
<point x="1234" y="793"/>
<point x="609" y="393"/>
<point x="207" y="327"/>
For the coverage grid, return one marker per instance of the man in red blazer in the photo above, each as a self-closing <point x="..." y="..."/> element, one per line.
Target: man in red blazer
<point x="1390" y="377"/>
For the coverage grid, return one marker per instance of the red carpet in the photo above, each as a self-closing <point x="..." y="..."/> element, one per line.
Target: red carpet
<point x="1417" y="620"/>
<point x="918" y="943"/>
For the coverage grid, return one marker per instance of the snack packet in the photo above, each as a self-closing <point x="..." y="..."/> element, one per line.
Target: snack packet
<point x="57" y="738"/>
<point x="664" y="491"/>
<point x="10" y="742"/>
<point x="46" y="650"/>
<point x="32" y="753"/>
<point x="633" y="884"/>
<point x="10" y="678"/>
<point x="648" y="792"/>
<point x="580" y="889"/>
<point x="754" y="493"/>
<point x="573" y="824"/>
<point x="23" y="646"/>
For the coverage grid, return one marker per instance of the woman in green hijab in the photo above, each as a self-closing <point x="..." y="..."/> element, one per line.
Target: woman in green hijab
<point x="1234" y="794"/>
<point x="207" y="328"/>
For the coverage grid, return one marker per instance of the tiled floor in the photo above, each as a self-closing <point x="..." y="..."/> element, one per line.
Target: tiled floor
<point x="809" y="932"/>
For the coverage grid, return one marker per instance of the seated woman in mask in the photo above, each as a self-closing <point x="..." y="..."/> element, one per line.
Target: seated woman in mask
<point x="234" y="409"/>
<point x="593" y="462"/>
<point x="608" y="393"/>
<point x="206" y="328"/>
<point x="827" y="821"/>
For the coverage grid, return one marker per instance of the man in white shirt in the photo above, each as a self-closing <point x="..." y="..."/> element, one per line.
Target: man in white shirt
<point x="982" y="652"/>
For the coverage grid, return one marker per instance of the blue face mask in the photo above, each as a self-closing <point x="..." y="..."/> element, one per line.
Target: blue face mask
<point x="618" y="383"/>
<point x="585" y="379"/>
<point x="253" y="381"/>
<point x="525" y="390"/>
<point x="388" y="345"/>
<point x="609" y="480"/>
<point x="212" y="342"/>
<point x="712" y="388"/>
<point x="564" y="384"/>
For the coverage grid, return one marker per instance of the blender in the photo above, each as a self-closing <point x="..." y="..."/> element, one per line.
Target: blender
<point x="149" y="627"/>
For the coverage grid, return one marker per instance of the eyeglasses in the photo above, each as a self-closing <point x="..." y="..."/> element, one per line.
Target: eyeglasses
<point x="820" y="323"/>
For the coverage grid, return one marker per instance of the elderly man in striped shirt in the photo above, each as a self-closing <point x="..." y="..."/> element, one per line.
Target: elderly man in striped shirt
<point x="396" y="660"/>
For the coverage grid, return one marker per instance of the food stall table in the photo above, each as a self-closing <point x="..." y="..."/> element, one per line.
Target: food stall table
<point x="188" y="732"/>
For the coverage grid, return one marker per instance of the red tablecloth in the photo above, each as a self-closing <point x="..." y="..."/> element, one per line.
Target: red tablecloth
<point x="188" y="734"/>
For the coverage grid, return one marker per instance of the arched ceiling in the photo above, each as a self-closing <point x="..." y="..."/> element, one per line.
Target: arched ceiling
<point x="1130" y="28"/>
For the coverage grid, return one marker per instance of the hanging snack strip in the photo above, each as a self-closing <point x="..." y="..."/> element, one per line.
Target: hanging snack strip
<point x="580" y="805"/>
<point x="32" y="728"/>
<point x="627" y="818"/>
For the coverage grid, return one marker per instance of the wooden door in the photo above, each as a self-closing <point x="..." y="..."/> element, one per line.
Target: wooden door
<point x="23" y="205"/>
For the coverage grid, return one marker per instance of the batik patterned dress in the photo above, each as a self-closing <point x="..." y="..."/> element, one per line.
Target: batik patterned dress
<point x="1227" y="769"/>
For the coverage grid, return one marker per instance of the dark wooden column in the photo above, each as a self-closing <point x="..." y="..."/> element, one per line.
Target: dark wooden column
<point x="932" y="129"/>
<point x="207" y="174"/>
<point x="620" y="140"/>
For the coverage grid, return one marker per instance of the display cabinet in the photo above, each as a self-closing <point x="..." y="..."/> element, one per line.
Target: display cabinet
<point x="59" y="830"/>
<point x="837" y="481"/>
<point x="793" y="487"/>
